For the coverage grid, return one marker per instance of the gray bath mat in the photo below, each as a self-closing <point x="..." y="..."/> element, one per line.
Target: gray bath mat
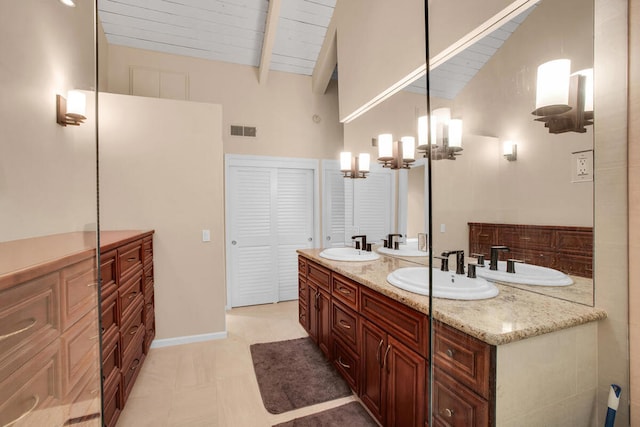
<point x="352" y="415"/>
<point x="293" y="374"/>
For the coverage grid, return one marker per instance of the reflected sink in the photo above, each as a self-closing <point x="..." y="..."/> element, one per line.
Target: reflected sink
<point x="409" y="249"/>
<point x="526" y="274"/>
<point x="445" y="284"/>
<point x="348" y="254"/>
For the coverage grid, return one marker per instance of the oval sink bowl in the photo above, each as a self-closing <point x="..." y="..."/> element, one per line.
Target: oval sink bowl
<point x="526" y="274"/>
<point x="348" y="254"/>
<point x="445" y="284"/>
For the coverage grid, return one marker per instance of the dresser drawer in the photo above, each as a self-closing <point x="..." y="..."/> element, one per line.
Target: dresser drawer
<point x="109" y="313"/>
<point x="456" y="406"/>
<point x="302" y="267"/>
<point x="149" y="304"/>
<point x="111" y="356"/>
<point x="303" y="315"/>
<point x="148" y="278"/>
<point x="302" y="290"/>
<point x="31" y="388"/>
<point x="129" y="294"/>
<point x="465" y="358"/>
<point x="345" y="290"/>
<point x="147" y="251"/>
<point x="407" y="325"/>
<point x="108" y="273"/>
<point x="526" y="237"/>
<point x="112" y="400"/>
<point x="84" y="401"/>
<point x="131" y="326"/>
<point x="347" y="363"/>
<point x="129" y="258"/>
<point x="29" y="320"/>
<point x="78" y="291"/>
<point x="344" y="323"/>
<point x="132" y="363"/>
<point x="80" y="350"/>
<point x="318" y="275"/>
<point x="150" y="333"/>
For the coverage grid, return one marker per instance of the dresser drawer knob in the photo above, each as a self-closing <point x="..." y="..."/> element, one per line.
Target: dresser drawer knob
<point x="344" y="365"/>
<point x="19" y="331"/>
<point x="344" y="291"/>
<point x="36" y="399"/>
<point x="133" y="330"/>
<point x="344" y="324"/>
<point x="450" y="352"/>
<point x="132" y="259"/>
<point x="447" y="412"/>
<point x="135" y="364"/>
<point x="132" y="295"/>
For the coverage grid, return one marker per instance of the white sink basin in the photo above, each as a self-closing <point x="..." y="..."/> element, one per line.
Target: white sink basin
<point x="410" y="249"/>
<point x="526" y="274"/>
<point x="445" y="284"/>
<point x="348" y="254"/>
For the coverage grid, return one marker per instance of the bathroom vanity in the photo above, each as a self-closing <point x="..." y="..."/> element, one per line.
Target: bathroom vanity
<point x="50" y="319"/>
<point x="520" y="358"/>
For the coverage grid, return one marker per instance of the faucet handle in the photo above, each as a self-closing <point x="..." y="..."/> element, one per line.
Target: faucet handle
<point x="444" y="262"/>
<point x="480" y="258"/>
<point x="511" y="265"/>
<point x="471" y="270"/>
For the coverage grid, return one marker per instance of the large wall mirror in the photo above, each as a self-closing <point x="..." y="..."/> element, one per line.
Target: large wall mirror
<point x="491" y="86"/>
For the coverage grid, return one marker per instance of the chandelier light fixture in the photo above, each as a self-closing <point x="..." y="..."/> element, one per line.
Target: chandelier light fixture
<point x="446" y="135"/>
<point x="354" y="166"/>
<point x="396" y="154"/>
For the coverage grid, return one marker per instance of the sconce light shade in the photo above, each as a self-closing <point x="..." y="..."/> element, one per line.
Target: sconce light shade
<point x="69" y="3"/>
<point x="552" y="87"/>
<point x="71" y="111"/>
<point x="423" y="129"/>
<point x="455" y="134"/>
<point x="355" y="167"/>
<point x="385" y="146"/>
<point x="345" y="161"/>
<point x="588" y="88"/>
<point x="439" y="122"/>
<point x="510" y="150"/>
<point x="408" y="148"/>
<point x="365" y="162"/>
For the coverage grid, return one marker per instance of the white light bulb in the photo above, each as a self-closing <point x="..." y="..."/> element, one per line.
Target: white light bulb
<point x="345" y="161"/>
<point x="385" y="146"/>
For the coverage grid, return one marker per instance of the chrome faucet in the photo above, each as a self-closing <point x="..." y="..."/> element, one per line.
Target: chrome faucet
<point x="459" y="259"/>
<point x="362" y="243"/>
<point x="391" y="244"/>
<point x="495" y="251"/>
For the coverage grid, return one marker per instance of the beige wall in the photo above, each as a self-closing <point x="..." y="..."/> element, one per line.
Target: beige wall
<point x="282" y="109"/>
<point x="161" y="168"/>
<point x="634" y="208"/>
<point x="47" y="172"/>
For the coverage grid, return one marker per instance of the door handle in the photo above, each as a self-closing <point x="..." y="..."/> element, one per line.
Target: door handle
<point x="310" y="239"/>
<point x="328" y="238"/>
<point x="233" y="242"/>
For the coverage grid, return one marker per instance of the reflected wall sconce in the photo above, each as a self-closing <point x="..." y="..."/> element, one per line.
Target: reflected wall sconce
<point x="396" y="154"/>
<point x="510" y="150"/>
<point x="355" y="166"/>
<point x="446" y="135"/>
<point x="564" y="101"/>
<point x="70" y="3"/>
<point x="71" y="110"/>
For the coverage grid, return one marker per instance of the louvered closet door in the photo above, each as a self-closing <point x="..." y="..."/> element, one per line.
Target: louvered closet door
<point x="294" y="226"/>
<point x="334" y="198"/>
<point x="253" y="220"/>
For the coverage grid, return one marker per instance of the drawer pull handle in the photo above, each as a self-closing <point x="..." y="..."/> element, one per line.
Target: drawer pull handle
<point x="135" y="365"/>
<point x="378" y="352"/>
<point x="132" y="294"/>
<point x="147" y="250"/>
<point x="92" y="284"/>
<point x="447" y="412"/>
<point x="344" y="291"/>
<point x="525" y="238"/>
<point x="95" y="337"/>
<point x="344" y="365"/>
<point x="19" y="331"/>
<point x="450" y="352"/>
<point x="483" y="235"/>
<point x="133" y="330"/>
<point x="94" y="391"/>
<point x="344" y="324"/>
<point x="30" y="410"/>
<point x="384" y="361"/>
<point x="150" y="305"/>
<point x="301" y="316"/>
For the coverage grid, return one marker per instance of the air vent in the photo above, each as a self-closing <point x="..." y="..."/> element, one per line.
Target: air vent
<point x="237" y="130"/>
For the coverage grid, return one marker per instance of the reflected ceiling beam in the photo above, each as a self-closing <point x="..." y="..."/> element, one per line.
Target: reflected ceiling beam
<point x="273" y="14"/>
<point x="327" y="60"/>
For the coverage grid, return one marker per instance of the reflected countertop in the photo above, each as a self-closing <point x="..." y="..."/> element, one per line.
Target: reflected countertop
<point x="513" y="315"/>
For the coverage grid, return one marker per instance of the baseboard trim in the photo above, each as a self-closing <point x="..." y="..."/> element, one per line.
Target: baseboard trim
<point x="168" y="342"/>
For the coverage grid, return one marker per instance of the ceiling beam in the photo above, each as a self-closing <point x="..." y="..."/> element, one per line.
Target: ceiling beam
<point x="269" y="39"/>
<point x="327" y="60"/>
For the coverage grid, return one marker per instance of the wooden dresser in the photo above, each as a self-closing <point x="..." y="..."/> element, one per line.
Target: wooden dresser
<point x="49" y="325"/>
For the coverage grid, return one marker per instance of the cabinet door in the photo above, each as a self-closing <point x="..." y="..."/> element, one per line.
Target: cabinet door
<point x="372" y="385"/>
<point x="324" y="322"/>
<point x="312" y="311"/>
<point x="406" y="378"/>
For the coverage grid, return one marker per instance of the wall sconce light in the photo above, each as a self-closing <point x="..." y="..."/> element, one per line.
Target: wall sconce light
<point x="446" y="135"/>
<point x="353" y="166"/>
<point x="396" y="154"/>
<point x="510" y="150"/>
<point x="71" y="111"/>
<point x="69" y="3"/>
<point x="564" y="100"/>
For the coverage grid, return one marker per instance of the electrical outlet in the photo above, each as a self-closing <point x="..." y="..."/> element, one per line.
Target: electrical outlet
<point x="582" y="166"/>
<point x="443" y="228"/>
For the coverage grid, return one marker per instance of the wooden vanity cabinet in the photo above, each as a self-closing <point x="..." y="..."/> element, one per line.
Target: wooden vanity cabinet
<point x="318" y="280"/>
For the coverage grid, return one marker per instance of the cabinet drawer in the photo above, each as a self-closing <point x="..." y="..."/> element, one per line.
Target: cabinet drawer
<point x="302" y="290"/>
<point x="149" y="305"/>
<point x="465" y="358"/>
<point x="302" y="267"/>
<point x="129" y="293"/>
<point x="111" y="357"/>
<point x="409" y="326"/>
<point x="109" y="313"/>
<point x="303" y="315"/>
<point x="34" y="386"/>
<point x="79" y="291"/>
<point x="344" y="323"/>
<point x="80" y="351"/>
<point x="579" y="242"/>
<point x="112" y="400"/>
<point x="148" y="278"/>
<point x="129" y="258"/>
<point x="526" y="237"/>
<point x="147" y="251"/>
<point x="149" y="334"/>
<point x="84" y="401"/>
<point x="29" y="320"/>
<point x="108" y="273"/>
<point x="132" y="363"/>
<point x="345" y="290"/>
<point x="131" y="326"/>
<point x="347" y="363"/>
<point x="456" y="406"/>
<point x="483" y="235"/>
<point x="318" y="275"/>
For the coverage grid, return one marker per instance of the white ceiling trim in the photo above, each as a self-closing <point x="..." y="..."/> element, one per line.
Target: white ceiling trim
<point x="273" y="15"/>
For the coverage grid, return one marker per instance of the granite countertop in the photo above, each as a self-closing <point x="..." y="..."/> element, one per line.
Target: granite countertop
<point x="513" y="315"/>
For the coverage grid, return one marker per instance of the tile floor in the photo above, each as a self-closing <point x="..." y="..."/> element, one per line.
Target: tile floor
<point x="212" y="383"/>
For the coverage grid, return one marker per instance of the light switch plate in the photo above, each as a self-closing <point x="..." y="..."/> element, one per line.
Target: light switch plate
<point x="206" y="235"/>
